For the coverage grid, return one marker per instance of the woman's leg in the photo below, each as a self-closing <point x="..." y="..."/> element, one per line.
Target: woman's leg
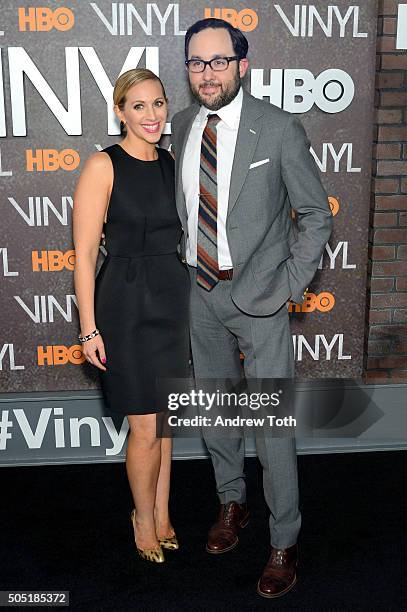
<point x="143" y="459"/>
<point x="163" y="525"/>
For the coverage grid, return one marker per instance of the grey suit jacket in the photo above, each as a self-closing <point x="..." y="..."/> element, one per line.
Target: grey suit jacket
<point x="273" y="259"/>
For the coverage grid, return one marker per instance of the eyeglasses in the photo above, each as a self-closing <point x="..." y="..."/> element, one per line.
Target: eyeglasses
<point x="217" y="64"/>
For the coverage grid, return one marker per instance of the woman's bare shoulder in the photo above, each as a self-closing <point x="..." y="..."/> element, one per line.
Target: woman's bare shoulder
<point x="98" y="161"/>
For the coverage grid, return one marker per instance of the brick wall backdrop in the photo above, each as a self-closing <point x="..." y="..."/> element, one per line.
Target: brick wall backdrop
<point x="386" y="318"/>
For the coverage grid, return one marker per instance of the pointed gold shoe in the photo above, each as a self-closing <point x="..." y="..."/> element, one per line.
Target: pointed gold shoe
<point x="170" y="543"/>
<point x="155" y="555"/>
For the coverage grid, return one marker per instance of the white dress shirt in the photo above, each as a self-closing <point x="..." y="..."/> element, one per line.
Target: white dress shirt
<point x="226" y="142"/>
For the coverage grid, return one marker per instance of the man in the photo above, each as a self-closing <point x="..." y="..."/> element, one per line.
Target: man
<point x="241" y="165"/>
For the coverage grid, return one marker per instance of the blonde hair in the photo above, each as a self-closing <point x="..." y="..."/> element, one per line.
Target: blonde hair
<point x="127" y="80"/>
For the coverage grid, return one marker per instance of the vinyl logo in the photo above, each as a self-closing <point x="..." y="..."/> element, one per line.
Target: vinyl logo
<point x="40" y="209"/>
<point x="45" y="307"/>
<point x="246" y="19"/>
<point x="22" y="68"/>
<point x="52" y="261"/>
<point x="50" y="160"/>
<point x="4" y="263"/>
<point x="7" y="358"/>
<point x="336" y="158"/>
<point x="320" y="347"/>
<point x="60" y="355"/>
<point x="50" y="424"/>
<point x="127" y="19"/>
<point x="308" y="18"/>
<point x="337" y="257"/>
<point x="323" y="302"/>
<point x="43" y="19"/>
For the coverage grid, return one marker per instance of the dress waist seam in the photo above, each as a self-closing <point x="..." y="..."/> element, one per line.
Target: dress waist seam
<point x="140" y="255"/>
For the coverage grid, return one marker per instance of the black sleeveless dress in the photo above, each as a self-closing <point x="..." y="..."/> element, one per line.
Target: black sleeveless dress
<point x="141" y="290"/>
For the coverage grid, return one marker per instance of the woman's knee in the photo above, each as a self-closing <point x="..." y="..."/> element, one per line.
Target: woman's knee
<point x="143" y="429"/>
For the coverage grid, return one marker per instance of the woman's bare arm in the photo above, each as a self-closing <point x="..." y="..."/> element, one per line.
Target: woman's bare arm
<point x="89" y="211"/>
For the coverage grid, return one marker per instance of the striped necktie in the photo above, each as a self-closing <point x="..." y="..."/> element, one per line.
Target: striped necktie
<point x="207" y="239"/>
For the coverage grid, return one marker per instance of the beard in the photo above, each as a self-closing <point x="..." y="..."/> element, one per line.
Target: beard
<point x="228" y="91"/>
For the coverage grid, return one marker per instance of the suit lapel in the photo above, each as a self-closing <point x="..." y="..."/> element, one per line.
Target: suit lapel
<point x="184" y="133"/>
<point x="247" y="138"/>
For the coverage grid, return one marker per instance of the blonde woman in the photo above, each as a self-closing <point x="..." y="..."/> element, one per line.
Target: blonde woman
<point x="134" y="316"/>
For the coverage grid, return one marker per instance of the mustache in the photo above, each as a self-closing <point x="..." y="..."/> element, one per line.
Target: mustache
<point x="209" y="84"/>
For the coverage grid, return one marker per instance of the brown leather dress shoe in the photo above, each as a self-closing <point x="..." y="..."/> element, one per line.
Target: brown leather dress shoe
<point x="223" y="534"/>
<point x="279" y="575"/>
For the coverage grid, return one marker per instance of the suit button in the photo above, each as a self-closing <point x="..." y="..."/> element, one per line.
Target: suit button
<point x="184" y="260"/>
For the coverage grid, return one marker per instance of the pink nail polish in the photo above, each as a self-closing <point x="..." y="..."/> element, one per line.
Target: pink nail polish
<point x="103" y="360"/>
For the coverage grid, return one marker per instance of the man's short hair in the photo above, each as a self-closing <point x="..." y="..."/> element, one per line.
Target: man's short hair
<point x="239" y="40"/>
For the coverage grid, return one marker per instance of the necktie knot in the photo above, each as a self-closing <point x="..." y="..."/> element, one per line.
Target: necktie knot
<point x="213" y="120"/>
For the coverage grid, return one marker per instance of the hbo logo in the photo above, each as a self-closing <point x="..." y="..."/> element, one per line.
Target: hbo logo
<point x="50" y="160"/>
<point x="246" y="19"/>
<point x="43" y="19"/>
<point x="297" y="90"/>
<point x="59" y="354"/>
<point x="323" y="302"/>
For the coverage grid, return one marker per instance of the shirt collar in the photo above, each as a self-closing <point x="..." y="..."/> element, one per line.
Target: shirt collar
<point x="230" y="113"/>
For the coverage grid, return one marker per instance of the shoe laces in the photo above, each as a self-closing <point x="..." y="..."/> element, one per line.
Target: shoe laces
<point x="227" y="514"/>
<point x="278" y="557"/>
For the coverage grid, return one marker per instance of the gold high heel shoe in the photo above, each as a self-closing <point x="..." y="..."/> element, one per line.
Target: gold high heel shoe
<point x="170" y="543"/>
<point x="155" y="555"/>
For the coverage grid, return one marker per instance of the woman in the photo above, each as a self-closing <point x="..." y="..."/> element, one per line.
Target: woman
<point x="134" y="317"/>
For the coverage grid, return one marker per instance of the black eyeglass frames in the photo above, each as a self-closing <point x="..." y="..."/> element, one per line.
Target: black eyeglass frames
<point x="217" y="63"/>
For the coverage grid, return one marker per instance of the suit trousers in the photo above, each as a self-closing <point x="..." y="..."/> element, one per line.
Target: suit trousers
<point x="219" y="331"/>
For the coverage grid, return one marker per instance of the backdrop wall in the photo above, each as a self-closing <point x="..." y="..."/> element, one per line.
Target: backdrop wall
<point x="58" y="66"/>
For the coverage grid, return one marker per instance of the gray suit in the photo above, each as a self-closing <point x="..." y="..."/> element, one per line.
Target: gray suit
<point x="273" y="261"/>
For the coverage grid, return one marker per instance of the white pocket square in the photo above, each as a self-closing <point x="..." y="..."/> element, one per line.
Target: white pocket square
<point x="259" y="163"/>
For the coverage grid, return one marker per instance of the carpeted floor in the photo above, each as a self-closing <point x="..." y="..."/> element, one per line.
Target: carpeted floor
<point x="68" y="528"/>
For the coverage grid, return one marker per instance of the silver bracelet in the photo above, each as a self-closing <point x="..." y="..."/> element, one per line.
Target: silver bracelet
<point x="89" y="336"/>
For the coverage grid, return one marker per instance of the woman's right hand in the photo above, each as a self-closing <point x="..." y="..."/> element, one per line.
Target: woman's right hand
<point x="94" y="351"/>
